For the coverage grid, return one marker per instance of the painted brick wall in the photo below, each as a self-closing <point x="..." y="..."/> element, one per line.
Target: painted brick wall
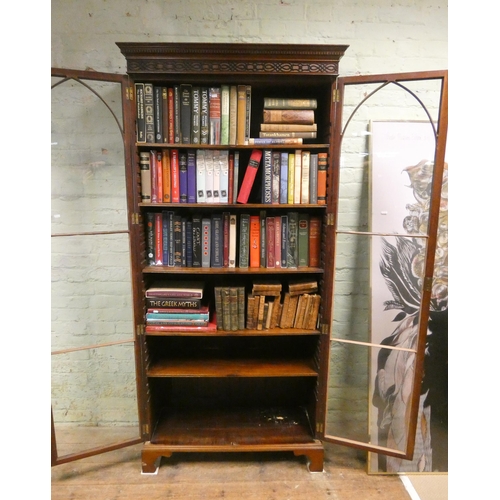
<point x="384" y="36"/>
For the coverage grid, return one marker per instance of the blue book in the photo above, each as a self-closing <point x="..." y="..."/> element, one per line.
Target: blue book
<point x="191" y="176"/>
<point x="183" y="177"/>
<point x="189" y="243"/>
<point x="165" y="236"/>
<point x="284" y="177"/>
<point x="187" y="315"/>
<point x="217" y="241"/>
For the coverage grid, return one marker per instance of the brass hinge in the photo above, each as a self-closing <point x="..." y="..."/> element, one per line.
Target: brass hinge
<point x="428" y="284"/>
<point x="135" y="218"/>
<point x="129" y="93"/>
<point x="145" y="429"/>
<point x="140" y="330"/>
<point x="330" y="219"/>
<point x="319" y="427"/>
<point x="336" y="95"/>
<point x="324" y="329"/>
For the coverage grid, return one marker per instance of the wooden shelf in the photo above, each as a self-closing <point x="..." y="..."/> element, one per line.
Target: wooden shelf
<point x="238" y="333"/>
<point x="205" y="366"/>
<point x="231" y="270"/>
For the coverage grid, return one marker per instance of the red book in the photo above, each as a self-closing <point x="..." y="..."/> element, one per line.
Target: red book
<point x="211" y="327"/>
<point x="171" y="136"/>
<point x="270" y="236"/>
<point x="181" y="310"/>
<point x="159" y="176"/>
<point x="167" y="176"/>
<point x="158" y="239"/>
<point x="254" y="241"/>
<point x="322" y="167"/>
<point x="314" y="240"/>
<point x="174" y="171"/>
<point x="249" y="178"/>
<point x="230" y="195"/>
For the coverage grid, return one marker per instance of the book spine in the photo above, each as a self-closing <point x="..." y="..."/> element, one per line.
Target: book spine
<point x="167" y="177"/>
<point x="276" y="162"/>
<point x="149" y="114"/>
<point x="224" y="114"/>
<point x="289" y="103"/>
<point x="154" y="176"/>
<point x="313" y="179"/>
<point x="267" y="184"/>
<point x="150" y="238"/>
<point x="291" y="178"/>
<point x="303" y="240"/>
<point x="169" y="303"/>
<point x="204" y="116"/>
<point x="284" y="240"/>
<point x="230" y="177"/>
<point x="183" y="177"/>
<point x="158" y="242"/>
<point x="186" y="109"/>
<point x="165" y="236"/>
<point x="171" y="242"/>
<point x="195" y="115"/>
<point x="140" y="129"/>
<point x="233" y="308"/>
<point x="177" y="114"/>
<point x="158" y="113"/>
<point x="217" y="241"/>
<point x="176" y="315"/>
<point x="197" y="240"/>
<point x="248" y="113"/>
<point x="159" y="176"/>
<point x="322" y="169"/>
<point x="305" y="174"/>
<point x="225" y="239"/>
<point x="274" y="140"/>
<point x="232" y="239"/>
<point x="209" y="177"/>
<point x="270" y="239"/>
<point x="244" y="236"/>
<point x="180" y="322"/>
<point x="233" y="113"/>
<point x="249" y="177"/>
<point x="236" y="173"/>
<point x="287" y="135"/>
<point x="200" y="176"/>
<point x="263" y="242"/>
<point x="314" y="240"/>
<point x="283" y="177"/>
<point x="277" y="241"/>
<point x="292" y="247"/>
<point x="288" y="127"/>
<point x="191" y="176"/>
<point x="298" y="116"/>
<point x="164" y="114"/>
<point x="145" y="168"/>
<point x="241" y="114"/>
<point x="241" y="307"/>
<point x="218" y="306"/>
<point x="206" y="226"/>
<point x="175" y="179"/>
<point x="254" y="247"/>
<point x="177" y="240"/>
<point x="171" y="115"/>
<point x="214" y="115"/>
<point x="224" y="176"/>
<point x="298" y="176"/>
<point x="189" y="242"/>
<point x="216" y="177"/>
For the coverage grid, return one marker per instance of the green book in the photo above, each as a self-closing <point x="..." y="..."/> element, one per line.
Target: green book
<point x="244" y="250"/>
<point x="303" y="240"/>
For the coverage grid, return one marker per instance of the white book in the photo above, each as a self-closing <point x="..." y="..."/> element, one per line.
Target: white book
<point x="216" y="163"/>
<point x="236" y="169"/>
<point x="200" y="176"/>
<point x="232" y="240"/>
<point x="297" y="176"/>
<point x="224" y="176"/>
<point x="306" y="162"/>
<point x="209" y="177"/>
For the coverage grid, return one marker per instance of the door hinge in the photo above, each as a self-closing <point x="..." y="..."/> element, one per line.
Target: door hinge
<point x="336" y="95"/>
<point x="319" y="427"/>
<point x="129" y="93"/>
<point x="135" y="218"/>
<point x="428" y="284"/>
<point x="330" y="219"/>
<point x="139" y="330"/>
<point x="324" y="329"/>
<point x="145" y="429"/>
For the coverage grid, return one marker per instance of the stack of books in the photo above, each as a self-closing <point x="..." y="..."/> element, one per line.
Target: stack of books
<point x="177" y="306"/>
<point x="264" y="305"/>
<point x="301" y="305"/>
<point x="287" y="118"/>
<point x="230" y="307"/>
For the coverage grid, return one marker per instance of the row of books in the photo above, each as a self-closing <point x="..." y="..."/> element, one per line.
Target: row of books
<point x="290" y="240"/>
<point x="212" y="176"/>
<point x="192" y="114"/>
<point x="177" y="306"/>
<point x="269" y="306"/>
<point x="285" y="118"/>
<point x="230" y="307"/>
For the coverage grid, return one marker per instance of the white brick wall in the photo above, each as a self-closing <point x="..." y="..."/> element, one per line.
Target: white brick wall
<point x="384" y="36"/>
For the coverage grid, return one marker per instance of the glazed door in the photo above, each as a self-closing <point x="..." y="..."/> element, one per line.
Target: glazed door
<point x="390" y="292"/>
<point x="95" y="403"/>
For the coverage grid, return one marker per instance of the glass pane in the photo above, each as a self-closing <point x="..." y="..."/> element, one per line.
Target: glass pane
<point x="94" y="391"/>
<point x="386" y="171"/>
